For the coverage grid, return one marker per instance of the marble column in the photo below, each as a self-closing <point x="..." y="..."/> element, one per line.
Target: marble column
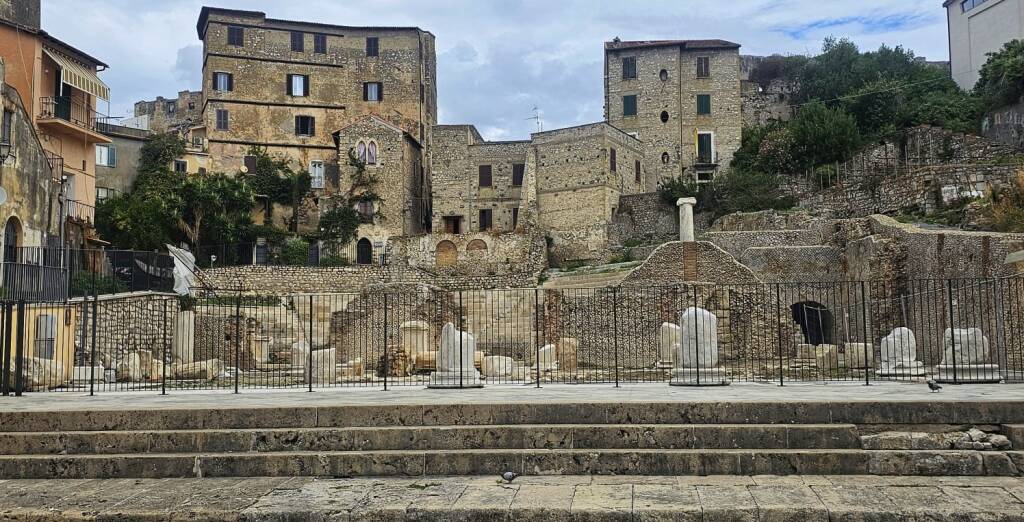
<point x="686" y="218"/>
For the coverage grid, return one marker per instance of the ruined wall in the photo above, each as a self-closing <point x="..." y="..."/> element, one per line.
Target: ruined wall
<point x="172" y="114"/>
<point x="763" y="104"/>
<point x="644" y="218"/>
<point x="1005" y="125"/>
<point x="126" y="323"/>
<point x="476" y="254"/>
<point x="22" y="13"/>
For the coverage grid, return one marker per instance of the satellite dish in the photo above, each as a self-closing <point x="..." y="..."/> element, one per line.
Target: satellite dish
<point x="3" y="196"/>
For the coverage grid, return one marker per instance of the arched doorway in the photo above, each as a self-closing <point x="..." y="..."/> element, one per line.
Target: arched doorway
<point x="446" y="254"/>
<point x="12" y="239"/>
<point x="364" y="252"/>
<point x="815" y="320"/>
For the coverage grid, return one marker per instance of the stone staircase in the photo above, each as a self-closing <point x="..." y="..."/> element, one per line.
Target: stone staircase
<point x="680" y="438"/>
<point x="590" y="276"/>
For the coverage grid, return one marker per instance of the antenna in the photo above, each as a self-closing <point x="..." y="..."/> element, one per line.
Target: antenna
<point x="536" y="118"/>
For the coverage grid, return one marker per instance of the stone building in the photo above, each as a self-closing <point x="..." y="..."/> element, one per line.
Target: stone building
<point x="681" y="99"/>
<point x="287" y="86"/>
<point x="566" y="183"/>
<point x="171" y="114"/>
<point x="117" y="162"/>
<point x="59" y="87"/>
<point x="393" y="159"/>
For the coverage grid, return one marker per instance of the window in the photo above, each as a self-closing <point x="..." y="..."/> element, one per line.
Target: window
<point x="665" y="158"/>
<point x="171" y="107"/>
<point x="703" y="104"/>
<point x="664" y="116"/>
<point x="485" y="219"/>
<point x="611" y="159"/>
<point x="703" y="66"/>
<point x="104" y="193"/>
<point x="297" y="85"/>
<point x="629" y="105"/>
<point x="485" y="175"/>
<point x="452" y="224"/>
<point x="298" y="42"/>
<point x="967" y="5"/>
<point x="316" y="174"/>
<point x="223" y="82"/>
<point x="372" y="46"/>
<point x="249" y="164"/>
<point x="373" y="91"/>
<point x="7" y="125"/>
<point x="222" y="119"/>
<point x="515" y="217"/>
<point x="705" y="147"/>
<point x="180" y="166"/>
<point x="705" y="176"/>
<point x="365" y="209"/>
<point x="191" y="105"/>
<point x="320" y="43"/>
<point x="636" y="170"/>
<point x="629" y="68"/>
<point x="46" y="334"/>
<point x="236" y="35"/>
<point x="517" y="174"/>
<point x="305" y="126"/>
<point x="663" y="75"/>
<point x="371" y="153"/>
<point x="105" y="155"/>
<point x="361" y="151"/>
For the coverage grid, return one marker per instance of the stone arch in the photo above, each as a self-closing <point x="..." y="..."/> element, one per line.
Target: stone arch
<point x="816" y="321"/>
<point x="12" y="239"/>
<point x="364" y="252"/>
<point x="446" y="254"/>
<point x="477" y="245"/>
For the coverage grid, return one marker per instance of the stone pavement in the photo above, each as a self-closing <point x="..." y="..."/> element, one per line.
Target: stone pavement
<point x="503" y="394"/>
<point x="804" y="498"/>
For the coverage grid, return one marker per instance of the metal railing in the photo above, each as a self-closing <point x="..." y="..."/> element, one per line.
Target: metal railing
<point x="80" y="212"/>
<point x="856" y="331"/>
<point x="70" y="110"/>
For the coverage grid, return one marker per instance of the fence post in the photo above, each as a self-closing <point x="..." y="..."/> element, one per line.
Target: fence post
<point x="952" y="337"/>
<point x="462" y="363"/>
<point x="536" y="330"/>
<point x="615" y="330"/>
<point x="95" y="312"/>
<point x="238" y="333"/>
<point x="5" y="364"/>
<point x="163" y="353"/>
<point x="386" y="342"/>
<point x="778" y="331"/>
<point x="309" y="362"/>
<point x="865" y="301"/>
<point x="19" y="352"/>
<point x="1002" y="356"/>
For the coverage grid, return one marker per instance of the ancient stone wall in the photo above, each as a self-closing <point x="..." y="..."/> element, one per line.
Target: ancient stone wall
<point x="644" y="218"/>
<point x="763" y="104"/>
<point x="172" y="114"/>
<point x="1005" y="125"/>
<point x="125" y="323"/>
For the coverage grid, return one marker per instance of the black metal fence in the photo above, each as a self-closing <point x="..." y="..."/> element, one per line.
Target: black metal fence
<point x="861" y="332"/>
<point x="48" y="274"/>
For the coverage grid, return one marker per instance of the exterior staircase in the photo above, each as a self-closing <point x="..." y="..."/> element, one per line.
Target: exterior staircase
<point x="589" y="276"/>
<point x="670" y="438"/>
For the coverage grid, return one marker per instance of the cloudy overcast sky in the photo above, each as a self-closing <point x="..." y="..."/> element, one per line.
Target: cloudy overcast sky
<point x="496" y="59"/>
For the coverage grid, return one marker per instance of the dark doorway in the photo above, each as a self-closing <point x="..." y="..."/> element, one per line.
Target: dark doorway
<point x="12" y="239"/>
<point x="364" y="252"/>
<point x="815" y="320"/>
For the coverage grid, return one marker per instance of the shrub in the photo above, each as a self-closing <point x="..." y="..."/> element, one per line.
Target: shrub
<point x="294" y="252"/>
<point x="87" y="283"/>
<point x="1007" y="209"/>
<point x="334" y="260"/>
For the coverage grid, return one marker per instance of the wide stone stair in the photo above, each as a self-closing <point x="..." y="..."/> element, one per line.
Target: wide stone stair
<point x="706" y="438"/>
<point x="597" y="276"/>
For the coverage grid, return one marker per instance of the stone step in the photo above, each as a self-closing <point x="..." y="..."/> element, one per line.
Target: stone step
<point x="563" y="436"/>
<point x="181" y="417"/>
<point x="526" y="462"/>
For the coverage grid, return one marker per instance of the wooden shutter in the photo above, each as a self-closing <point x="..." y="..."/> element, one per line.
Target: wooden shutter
<point x="366" y="92"/>
<point x="111" y="156"/>
<point x="305" y="85"/>
<point x="312" y="126"/>
<point x="380" y="91"/>
<point x="288" y="85"/>
<point x="231" y="82"/>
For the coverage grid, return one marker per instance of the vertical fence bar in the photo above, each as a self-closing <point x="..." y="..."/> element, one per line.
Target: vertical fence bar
<point x="615" y="330"/>
<point x="309" y="362"/>
<point x="238" y="338"/>
<point x="5" y="365"/>
<point x="163" y="352"/>
<point x="386" y="342"/>
<point x="778" y="330"/>
<point x="19" y="352"/>
<point x="462" y="363"/>
<point x="867" y="340"/>
<point x="536" y="331"/>
<point x="92" y="356"/>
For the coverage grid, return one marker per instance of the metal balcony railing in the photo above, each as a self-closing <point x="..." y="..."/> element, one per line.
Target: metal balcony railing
<point x="71" y="111"/>
<point x="80" y="212"/>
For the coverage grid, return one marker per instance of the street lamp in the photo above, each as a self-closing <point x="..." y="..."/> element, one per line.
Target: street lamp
<point x="213" y="259"/>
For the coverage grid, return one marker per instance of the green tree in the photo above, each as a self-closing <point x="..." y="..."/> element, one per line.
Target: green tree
<point x="212" y="205"/>
<point x="1001" y="78"/>
<point x="822" y="135"/>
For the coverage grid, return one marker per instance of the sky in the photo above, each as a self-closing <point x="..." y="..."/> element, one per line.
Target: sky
<point x="496" y="59"/>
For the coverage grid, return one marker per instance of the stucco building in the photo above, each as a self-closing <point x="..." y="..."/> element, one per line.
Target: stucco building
<point x="117" y="162"/>
<point x="976" y="28"/>
<point x="681" y="99"/>
<point x="287" y="86"/>
<point x="59" y="88"/>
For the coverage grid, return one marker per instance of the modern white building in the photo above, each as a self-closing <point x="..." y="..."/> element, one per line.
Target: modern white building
<point x="976" y="28"/>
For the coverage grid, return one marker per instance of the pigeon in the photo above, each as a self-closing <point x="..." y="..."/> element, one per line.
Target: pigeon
<point x="933" y="386"/>
<point x="509" y="476"/>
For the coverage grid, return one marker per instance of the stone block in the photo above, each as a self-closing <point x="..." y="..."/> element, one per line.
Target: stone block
<point x="566" y="353"/>
<point x="858" y="355"/>
<point x="498" y="366"/>
<point x="826" y="356"/>
<point x="325" y="366"/>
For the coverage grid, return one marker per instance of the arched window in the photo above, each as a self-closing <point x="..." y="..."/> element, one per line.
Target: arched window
<point x="361" y="151"/>
<point x="12" y="239"/>
<point x="364" y="252"/>
<point x="365" y="209"/>
<point x="371" y="153"/>
<point x="664" y="158"/>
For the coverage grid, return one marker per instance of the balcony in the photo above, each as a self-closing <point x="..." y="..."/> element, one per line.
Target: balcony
<point x="64" y="114"/>
<point x="81" y="213"/>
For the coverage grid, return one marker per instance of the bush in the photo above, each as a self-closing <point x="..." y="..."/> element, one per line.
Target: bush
<point x="334" y="260"/>
<point x="1007" y="209"/>
<point x="673" y="189"/>
<point x="747" y="191"/>
<point x="294" y="252"/>
<point x="87" y="283"/>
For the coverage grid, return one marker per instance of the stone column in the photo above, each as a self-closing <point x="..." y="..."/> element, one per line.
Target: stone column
<point x="686" y="218"/>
